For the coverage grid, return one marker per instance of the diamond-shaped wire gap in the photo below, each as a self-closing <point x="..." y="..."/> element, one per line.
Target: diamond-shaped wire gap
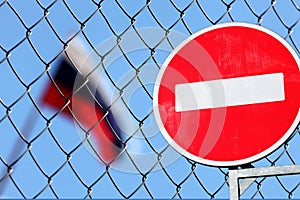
<point x="29" y="11"/>
<point x="180" y="185"/>
<point x="228" y="4"/>
<point x="137" y="56"/>
<point x="26" y="63"/>
<point x="47" y="186"/>
<point x="118" y="68"/>
<point x="148" y="38"/>
<point x="131" y="8"/>
<point x="271" y="188"/>
<point x="44" y="42"/>
<point x="47" y="154"/>
<point x="191" y="189"/>
<point x="151" y="132"/>
<point x="126" y="162"/>
<point x="213" y="181"/>
<point x="39" y="89"/>
<point x="12" y="89"/>
<point x="86" y="164"/>
<point x="147" y="78"/>
<point x="156" y="38"/>
<point x="283" y="158"/>
<point x="289" y="183"/>
<point x="14" y="31"/>
<point x="173" y="164"/>
<point x="286" y="12"/>
<point x="182" y="27"/>
<point x="65" y="131"/>
<point x="214" y="11"/>
<point x="276" y="156"/>
<point x="138" y="155"/>
<point x="26" y="120"/>
<point x="60" y="22"/>
<point x="81" y="10"/>
<point x="98" y="35"/>
<point x="276" y="20"/>
<point x="137" y="99"/>
<point x="154" y="141"/>
<point x="258" y="9"/>
<point x="28" y="177"/>
<point x="10" y="191"/>
<point x="104" y="188"/>
<point x="126" y="189"/>
<point x="294" y="144"/>
<point x="87" y="167"/>
<point x="159" y="14"/>
<point x="162" y="189"/>
<point x="8" y="143"/>
<point x="222" y="190"/>
<point x="253" y="189"/>
<point x="166" y="46"/>
<point x="66" y="184"/>
<point x="147" y="19"/>
<point x="182" y="10"/>
<point x="115" y="18"/>
<point x="245" y="16"/>
<point x="272" y="22"/>
<point x="194" y="19"/>
<point x="140" y="191"/>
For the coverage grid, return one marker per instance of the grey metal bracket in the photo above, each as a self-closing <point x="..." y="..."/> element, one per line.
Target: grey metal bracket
<point x="250" y="175"/>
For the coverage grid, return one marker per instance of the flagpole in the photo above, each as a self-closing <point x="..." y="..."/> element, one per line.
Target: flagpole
<point x="28" y="126"/>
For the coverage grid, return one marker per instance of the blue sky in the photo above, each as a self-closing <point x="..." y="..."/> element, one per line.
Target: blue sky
<point x="50" y="157"/>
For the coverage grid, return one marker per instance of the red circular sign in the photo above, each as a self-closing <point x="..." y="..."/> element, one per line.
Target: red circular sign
<point x="229" y="94"/>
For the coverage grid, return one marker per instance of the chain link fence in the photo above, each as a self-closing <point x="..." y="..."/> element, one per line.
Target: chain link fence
<point x="43" y="155"/>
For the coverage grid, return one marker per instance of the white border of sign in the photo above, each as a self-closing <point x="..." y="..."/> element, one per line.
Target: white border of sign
<point x="212" y="162"/>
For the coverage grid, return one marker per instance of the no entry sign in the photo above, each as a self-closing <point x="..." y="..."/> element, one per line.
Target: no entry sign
<point x="229" y="94"/>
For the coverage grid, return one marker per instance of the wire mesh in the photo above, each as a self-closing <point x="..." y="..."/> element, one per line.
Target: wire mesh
<point x="41" y="154"/>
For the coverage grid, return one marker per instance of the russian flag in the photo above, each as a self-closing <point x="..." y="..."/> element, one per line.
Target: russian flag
<point x="82" y="96"/>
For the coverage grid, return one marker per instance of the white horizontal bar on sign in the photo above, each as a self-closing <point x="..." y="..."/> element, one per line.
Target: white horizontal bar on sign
<point x="229" y="92"/>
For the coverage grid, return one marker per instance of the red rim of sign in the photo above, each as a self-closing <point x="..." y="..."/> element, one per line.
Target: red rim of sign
<point x="186" y="150"/>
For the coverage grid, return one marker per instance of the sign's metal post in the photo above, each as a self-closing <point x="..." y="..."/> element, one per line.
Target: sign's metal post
<point x="251" y="174"/>
<point x="234" y="184"/>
